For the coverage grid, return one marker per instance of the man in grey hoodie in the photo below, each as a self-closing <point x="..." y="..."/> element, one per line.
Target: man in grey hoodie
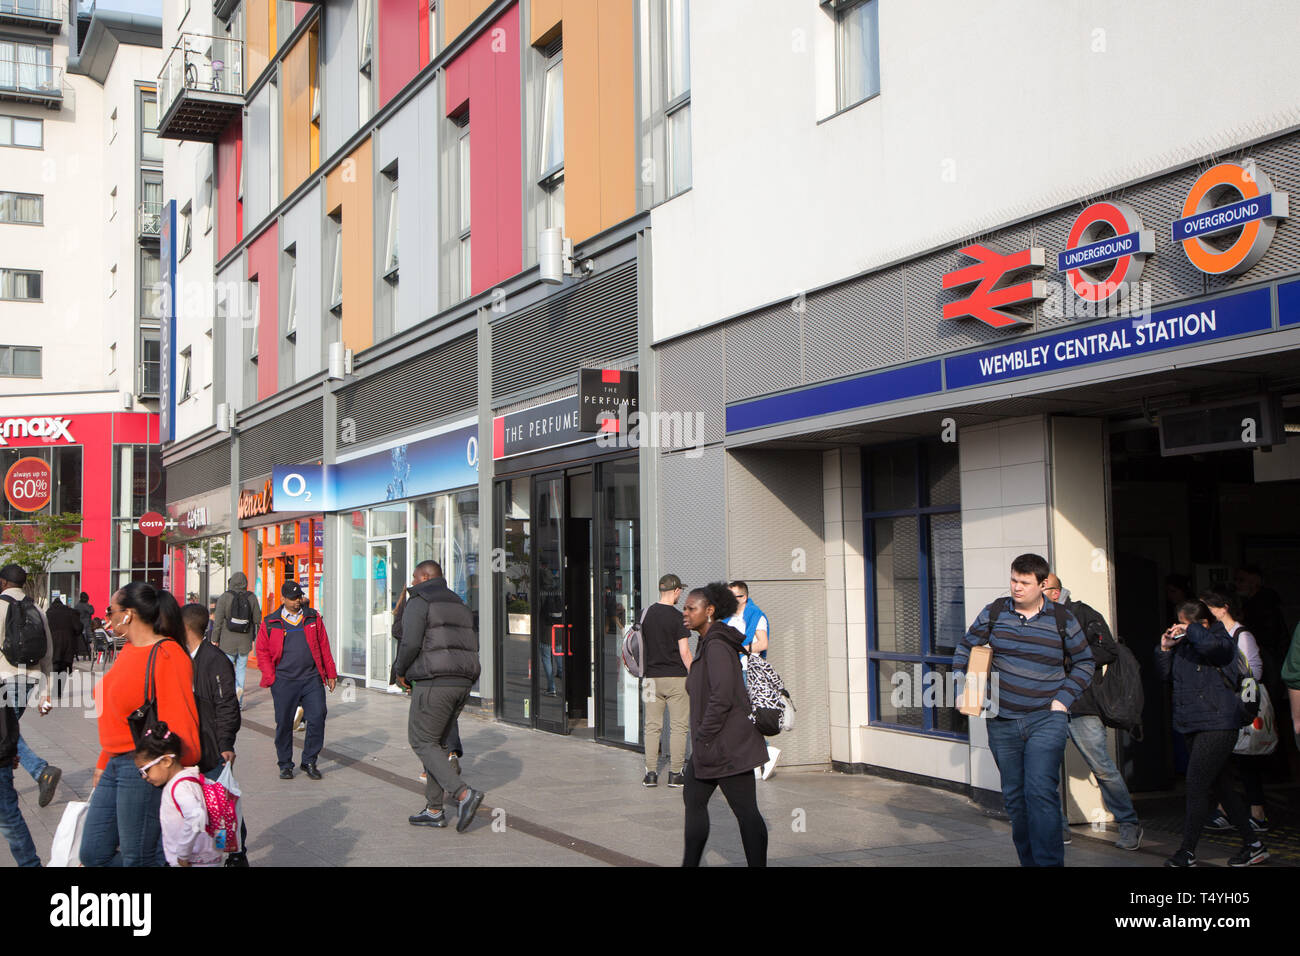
<point x="234" y="626"/>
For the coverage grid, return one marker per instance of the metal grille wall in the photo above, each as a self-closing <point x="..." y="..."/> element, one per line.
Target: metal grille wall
<point x="689" y="382"/>
<point x="438" y="384"/>
<point x="206" y="471"/>
<point x="289" y="439"/>
<point x="594" y="323"/>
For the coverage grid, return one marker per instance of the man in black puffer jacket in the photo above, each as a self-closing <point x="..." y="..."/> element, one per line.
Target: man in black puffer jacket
<point x="438" y="660"/>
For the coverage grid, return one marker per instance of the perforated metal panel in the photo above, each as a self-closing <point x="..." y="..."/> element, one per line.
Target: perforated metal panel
<point x="928" y="333"/>
<point x="436" y="385"/>
<point x="593" y="323"/>
<point x="692" y="507"/>
<point x="1280" y="161"/>
<point x="797" y="615"/>
<point x="289" y="439"/>
<point x="764" y="352"/>
<point x="1169" y="273"/>
<point x="842" y="327"/>
<point x="205" y="471"/>
<point x="775" y="509"/>
<point x="690" y="380"/>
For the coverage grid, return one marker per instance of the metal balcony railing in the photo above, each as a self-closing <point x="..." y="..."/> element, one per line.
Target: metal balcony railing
<point x="31" y="82"/>
<point x="148" y="217"/>
<point x="47" y="14"/>
<point x="201" y="87"/>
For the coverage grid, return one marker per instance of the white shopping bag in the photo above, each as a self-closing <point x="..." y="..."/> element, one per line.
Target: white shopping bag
<point x="66" y="850"/>
<point x="227" y="780"/>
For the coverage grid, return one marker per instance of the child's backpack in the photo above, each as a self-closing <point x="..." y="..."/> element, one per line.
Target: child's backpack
<point x="773" y="706"/>
<point x="633" y="649"/>
<point x="24" y="637"/>
<point x="223" y="812"/>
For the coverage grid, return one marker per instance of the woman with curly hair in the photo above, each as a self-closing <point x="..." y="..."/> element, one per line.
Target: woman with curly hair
<point x="726" y="744"/>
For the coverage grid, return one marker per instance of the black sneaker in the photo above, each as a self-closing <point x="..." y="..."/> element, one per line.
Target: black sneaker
<point x="237" y="859"/>
<point x="467" y="806"/>
<point x="1219" y="822"/>
<point x="651" y="779"/>
<point x="48" y="781"/>
<point x="428" y="818"/>
<point x="1257" y="825"/>
<point x="1182" y="858"/>
<point x="1066" y="836"/>
<point x="676" y="779"/>
<point x="1249" y="856"/>
<point x="286" y="773"/>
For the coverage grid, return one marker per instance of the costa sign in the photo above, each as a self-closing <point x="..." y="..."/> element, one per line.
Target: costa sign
<point x="1107" y="247"/>
<point x="29" y="484"/>
<point x="1229" y="197"/>
<point x="48" y="430"/>
<point x="152" y="524"/>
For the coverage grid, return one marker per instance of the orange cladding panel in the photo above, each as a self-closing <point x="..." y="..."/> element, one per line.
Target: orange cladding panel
<point x="458" y="14"/>
<point x="348" y="185"/>
<point x="581" y="120"/>
<point x="259" y="36"/>
<point x="544" y="18"/>
<point x="617" y="111"/>
<point x="295" y="85"/>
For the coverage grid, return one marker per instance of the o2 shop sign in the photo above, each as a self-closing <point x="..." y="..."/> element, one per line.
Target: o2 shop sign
<point x="1232" y="204"/>
<point x="29" y="484"/>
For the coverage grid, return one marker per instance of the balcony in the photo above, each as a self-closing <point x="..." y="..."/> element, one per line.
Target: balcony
<point x="201" y="88"/>
<point x="22" y="82"/>
<point x="148" y="220"/>
<point x="46" y="15"/>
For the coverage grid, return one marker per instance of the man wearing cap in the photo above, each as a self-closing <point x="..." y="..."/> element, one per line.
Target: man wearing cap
<point x="667" y="659"/>
<point x="293" y="652"/>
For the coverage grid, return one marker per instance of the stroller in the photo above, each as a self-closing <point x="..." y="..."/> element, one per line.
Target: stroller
<point x="104" y="646"/>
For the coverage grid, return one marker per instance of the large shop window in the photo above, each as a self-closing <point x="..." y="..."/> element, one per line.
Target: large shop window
<point x="65" y="468"/>
<point x="915" y="610"/>
<point x="139" y="485"/>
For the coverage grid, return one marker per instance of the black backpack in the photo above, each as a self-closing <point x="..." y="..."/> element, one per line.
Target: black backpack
<point x="1118" y="692"/>
<point x="24" y="640"/>
<point x="241" y="613"/>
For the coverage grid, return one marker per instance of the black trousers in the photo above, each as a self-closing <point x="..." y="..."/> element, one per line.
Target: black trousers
<point x="742" y="796"/>
<point x="1210" y="778"/>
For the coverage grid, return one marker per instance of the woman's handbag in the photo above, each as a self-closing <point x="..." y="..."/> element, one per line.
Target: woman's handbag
<point x="1259" y="737"/>
<point x="145" y="717"/>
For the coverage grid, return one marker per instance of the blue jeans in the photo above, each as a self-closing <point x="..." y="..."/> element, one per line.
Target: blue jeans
<point x="12" y="825"/>
<point x="1089" y="735"/>
<point x="1028" y="751"/>
<point x="241" y="665"/>
<point x="31" y="763"/>
<point x="122" y="827"/>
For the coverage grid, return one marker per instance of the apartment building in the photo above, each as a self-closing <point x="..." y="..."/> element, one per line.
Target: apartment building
<point x="80" y="191"/>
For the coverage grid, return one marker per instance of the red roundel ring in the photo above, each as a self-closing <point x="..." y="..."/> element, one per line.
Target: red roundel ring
<point x="1088" y="228"/>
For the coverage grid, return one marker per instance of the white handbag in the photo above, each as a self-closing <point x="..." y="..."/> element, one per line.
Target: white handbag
<point x="1260" y="736"/>
<point x="66" y="850"/>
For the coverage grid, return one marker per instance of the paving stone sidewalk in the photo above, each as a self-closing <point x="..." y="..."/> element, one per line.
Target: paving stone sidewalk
<point x="551" y="801"/>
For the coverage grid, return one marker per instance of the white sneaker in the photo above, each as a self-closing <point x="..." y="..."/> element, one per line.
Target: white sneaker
<point x="767" y="768"/>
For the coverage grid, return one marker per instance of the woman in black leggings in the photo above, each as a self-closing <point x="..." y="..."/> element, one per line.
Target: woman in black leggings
<point x="1200" y="661"/>
<point x="726" y="746"/>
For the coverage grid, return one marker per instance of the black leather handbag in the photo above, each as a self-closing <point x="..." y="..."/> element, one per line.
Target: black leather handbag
<point x="145" y="717"/>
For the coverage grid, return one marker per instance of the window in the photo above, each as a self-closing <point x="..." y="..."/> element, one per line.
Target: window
<point x="665" y="107"/>
<point x="112" y="125"/>
<point x="433" y="28"/>
<point x="206" y="195"/>
<point x="550" y="162"/>
<point x="184" y="375"/>
<point x="27" y="67"/>
<point x="857" y="52"/>
<point x="366" y="28"/>
<point x="678" y="109"/>
<point x="24" y="208"/>
<point x="336" y="273"/>
<point x="20" y="361"/>
<point x="149" y="374"/>
<point x="291" y="314"/>
<point x="26" y="133"/>
<point x="255" y="315"/>
<point x="151" y="301"/>
<point x="186" y="236"/>
<point x="915" y="587"/>
<point x="390" y="250"/>
<point x="463" y="171"/>
<point x="150" y="144"/>
<point x="19" y="285"/>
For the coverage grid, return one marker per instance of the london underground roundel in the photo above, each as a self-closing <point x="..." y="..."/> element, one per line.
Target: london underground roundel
<point x="1105" y="251"/>
<point x="29" y="484"/>
<point x="1229" y="218"/>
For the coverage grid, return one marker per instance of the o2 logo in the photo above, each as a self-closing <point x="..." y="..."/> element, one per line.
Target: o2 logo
<point x="294" y="485"/>
<point x="471" y="452"/>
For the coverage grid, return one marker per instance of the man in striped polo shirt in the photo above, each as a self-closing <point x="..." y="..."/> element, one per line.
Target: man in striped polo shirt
<point x="1036" y="684"/>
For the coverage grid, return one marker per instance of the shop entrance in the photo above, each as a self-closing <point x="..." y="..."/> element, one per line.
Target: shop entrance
<point x="569" y="584"/>
<point x="1187" y="523"/>
<point x="290" y="551"/>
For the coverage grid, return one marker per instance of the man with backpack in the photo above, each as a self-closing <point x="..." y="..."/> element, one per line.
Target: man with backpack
<point x="234" y="625"/>
<point x="26" y="642"/>
<point x="1085" y="724"/>
<point x="1042" y="663"/>
<point x="667" y="661"/>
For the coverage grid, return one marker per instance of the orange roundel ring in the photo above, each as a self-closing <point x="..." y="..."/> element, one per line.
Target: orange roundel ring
<point x="1202" y="197"/>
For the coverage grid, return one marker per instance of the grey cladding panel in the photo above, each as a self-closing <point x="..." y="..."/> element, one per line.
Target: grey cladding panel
<point x="205" y="471"/>
<point x="593" y="322"/>
<point x="436" y="385"/>
<point x="774" y="502"/>
<point x="691" y="380"/>
<point x="1280" y="162"/>
<point x="763" y="353"/>
<point x="1159" y="203"/>
<point x="844" y="327"/>
<point x="289" y="439"/>
<point x="692" y="507"/>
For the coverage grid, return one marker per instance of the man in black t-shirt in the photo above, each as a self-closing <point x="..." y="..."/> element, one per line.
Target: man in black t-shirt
<point x="667" y="659"/>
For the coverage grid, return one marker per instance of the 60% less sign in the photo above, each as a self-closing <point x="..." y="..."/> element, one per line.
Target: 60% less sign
<point x="29" y="484"/>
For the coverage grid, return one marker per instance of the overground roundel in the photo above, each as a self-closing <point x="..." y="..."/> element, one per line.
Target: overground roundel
<point x="1229" y="198"/>
<point x="1105" y="251"/>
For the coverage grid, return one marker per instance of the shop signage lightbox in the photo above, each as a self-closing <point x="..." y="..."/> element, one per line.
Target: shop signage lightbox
<point x="543" y="426"/>
<point x="601" y="393"/>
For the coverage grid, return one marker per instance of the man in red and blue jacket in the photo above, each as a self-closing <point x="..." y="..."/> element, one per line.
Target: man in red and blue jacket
<point x="293" y="652"/>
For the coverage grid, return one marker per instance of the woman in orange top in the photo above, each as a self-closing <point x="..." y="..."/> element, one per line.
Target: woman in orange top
<point x="122" y="827"/>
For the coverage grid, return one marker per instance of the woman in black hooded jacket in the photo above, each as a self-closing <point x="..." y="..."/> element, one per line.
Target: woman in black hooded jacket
<point x="726" y="746"/>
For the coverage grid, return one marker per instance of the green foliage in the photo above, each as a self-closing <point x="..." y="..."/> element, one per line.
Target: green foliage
<point x="35" y="546"/>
